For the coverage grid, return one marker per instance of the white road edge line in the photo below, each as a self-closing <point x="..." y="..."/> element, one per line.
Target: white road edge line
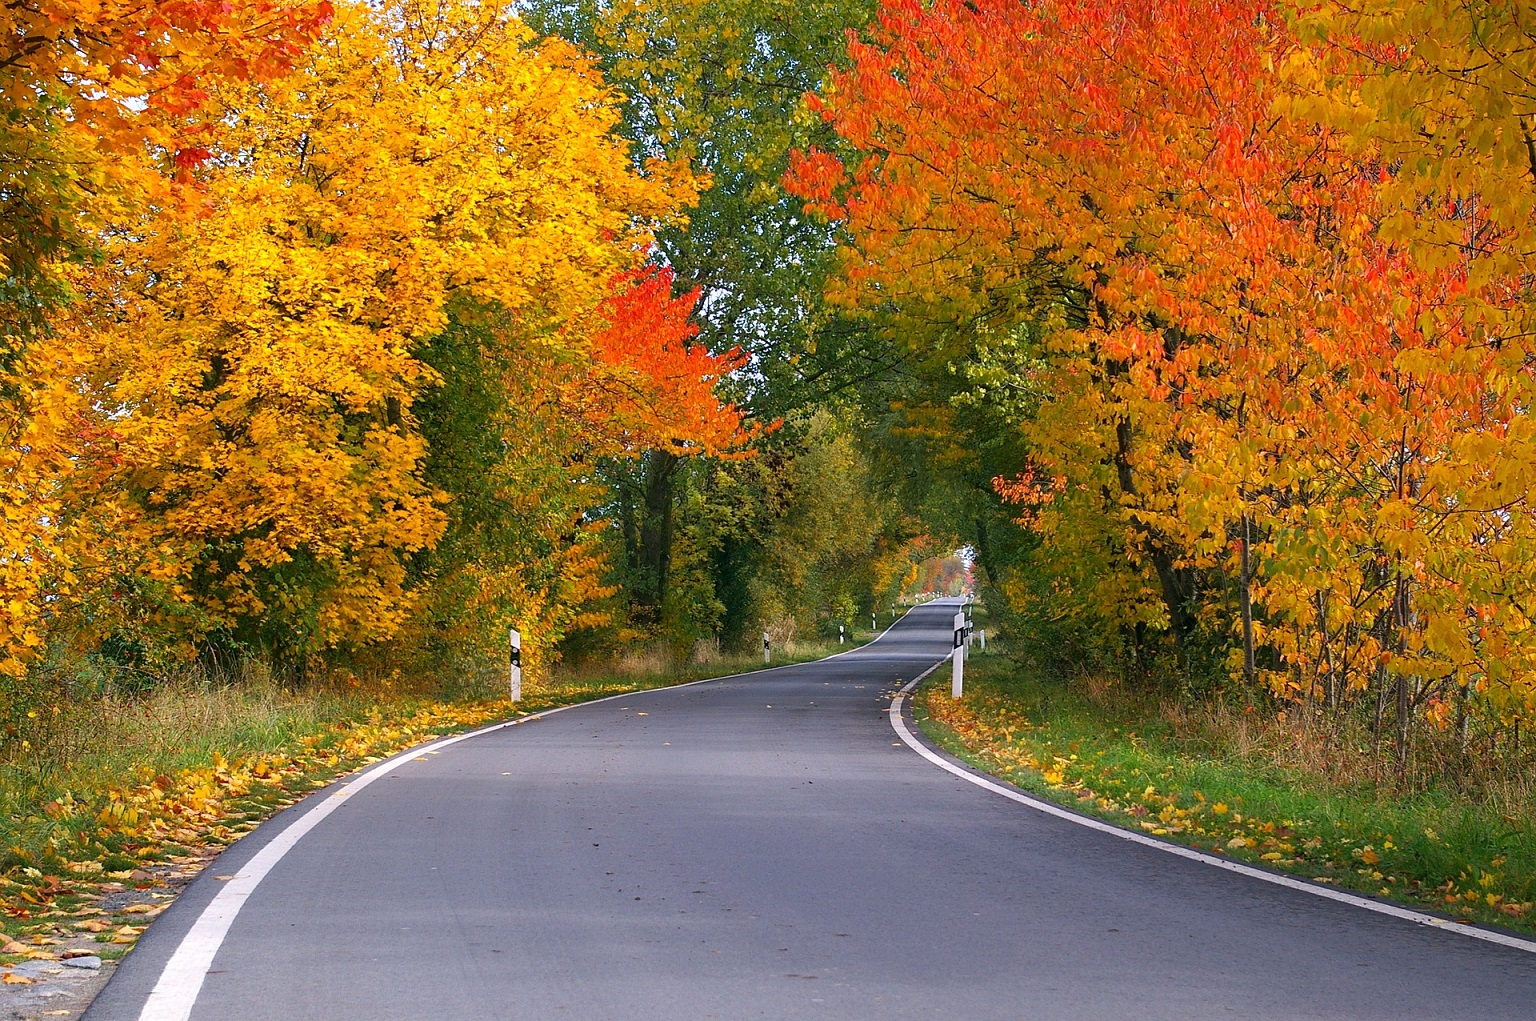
<point x="1316" y="890"/>
<point x="181" y="980"/>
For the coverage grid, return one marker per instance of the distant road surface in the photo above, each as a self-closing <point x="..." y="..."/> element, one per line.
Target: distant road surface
<point x="760" y="846"/>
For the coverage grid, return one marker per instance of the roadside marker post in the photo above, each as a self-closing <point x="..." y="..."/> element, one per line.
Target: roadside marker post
<point x="957" y="677"/>
<point x="872" y="625"/>
<point x="515" y="664"/>
<point x="839" y="634"/>
<point x="982" y="634"/>
<point x="765" y="647"/>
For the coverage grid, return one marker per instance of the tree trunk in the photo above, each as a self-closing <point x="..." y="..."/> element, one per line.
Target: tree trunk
<point x="1245" y="568"/>
<point x="1177" y="583"/>
<point x="1404" y="691"/>
<point x="654" y="558"/>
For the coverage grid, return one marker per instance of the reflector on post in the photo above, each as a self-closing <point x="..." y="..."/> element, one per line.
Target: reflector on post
<point x="957" y="675"/>
<point x="515" y="663"/>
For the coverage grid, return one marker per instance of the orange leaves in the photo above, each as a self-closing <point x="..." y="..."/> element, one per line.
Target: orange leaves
<point x="1216" y="301"/>
<point x="658" y="390"/>
<point x="1029" y="490"/>
<point x="818" y="177"/>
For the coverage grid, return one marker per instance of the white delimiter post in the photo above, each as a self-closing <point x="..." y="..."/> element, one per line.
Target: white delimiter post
<point x="515" y="661"/>
<point x="765" y="647"/>
<point x="839" y="634"/>
<point x="957" y="676"/>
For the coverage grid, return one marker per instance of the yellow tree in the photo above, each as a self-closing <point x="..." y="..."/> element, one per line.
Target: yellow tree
<point x="102" y="111"/>
<point x="1440" y="95"/>
<point x="256" y="346"/>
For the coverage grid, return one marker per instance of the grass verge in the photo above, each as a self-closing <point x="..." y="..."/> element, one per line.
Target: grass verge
<point x="1132" y="764"/>
<point x="132" y="797"/>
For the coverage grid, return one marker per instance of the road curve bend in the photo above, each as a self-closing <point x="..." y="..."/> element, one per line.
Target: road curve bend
<point x="758" y="846"/>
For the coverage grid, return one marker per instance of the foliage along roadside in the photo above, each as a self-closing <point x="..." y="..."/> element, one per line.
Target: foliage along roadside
<point x="1465" y="861"/>
<point x="100" y="861"/>
<point x="248" y="428"/>
<point x="1249" y="282"/>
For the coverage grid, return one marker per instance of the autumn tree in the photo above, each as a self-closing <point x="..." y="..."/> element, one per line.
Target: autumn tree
<point x="1264" y="421"/>
<point x="104" y="111"/>
<point x="515" y="436"/>
<point x="1439" y="96"/>
<point x="256" y="471"/>
<point x="721" y="84"/>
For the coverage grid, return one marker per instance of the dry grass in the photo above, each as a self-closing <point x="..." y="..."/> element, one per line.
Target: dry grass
<point x="1340" y="753"/>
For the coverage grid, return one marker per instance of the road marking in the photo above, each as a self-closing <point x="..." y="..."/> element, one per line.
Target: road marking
<point x="181" y="980"/>
<point x="1315" y="889"/>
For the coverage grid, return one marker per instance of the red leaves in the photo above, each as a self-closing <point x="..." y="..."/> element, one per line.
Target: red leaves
<point x="192" y="157"/>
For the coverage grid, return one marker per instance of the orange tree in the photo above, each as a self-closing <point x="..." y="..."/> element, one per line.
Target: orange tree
<point x="1262" y="421"/>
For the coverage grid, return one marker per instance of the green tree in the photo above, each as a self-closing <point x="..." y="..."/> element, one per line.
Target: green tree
<point x="721" y="83"/>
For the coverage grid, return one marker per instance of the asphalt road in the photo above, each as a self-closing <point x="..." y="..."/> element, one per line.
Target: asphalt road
<point x="764" y="847"/>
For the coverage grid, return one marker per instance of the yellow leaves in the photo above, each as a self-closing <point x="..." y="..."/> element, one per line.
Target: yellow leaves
<point x="255" y="362"/>
<point x="1109" y="778"/>
<point x="196" y="808"/>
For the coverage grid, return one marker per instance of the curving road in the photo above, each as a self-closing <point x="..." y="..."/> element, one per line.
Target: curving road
<point x="761" y="846"/>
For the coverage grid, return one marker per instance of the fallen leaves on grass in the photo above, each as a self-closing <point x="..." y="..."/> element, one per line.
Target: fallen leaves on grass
<point x="136" y="833"/>
<point x="1007" y="743"/>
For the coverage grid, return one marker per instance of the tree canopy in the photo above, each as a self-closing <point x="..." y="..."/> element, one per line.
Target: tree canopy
<point x="349" y="330"/>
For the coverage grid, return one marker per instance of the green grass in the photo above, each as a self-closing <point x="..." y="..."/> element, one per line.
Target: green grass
<point x="1228" y="783"/>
